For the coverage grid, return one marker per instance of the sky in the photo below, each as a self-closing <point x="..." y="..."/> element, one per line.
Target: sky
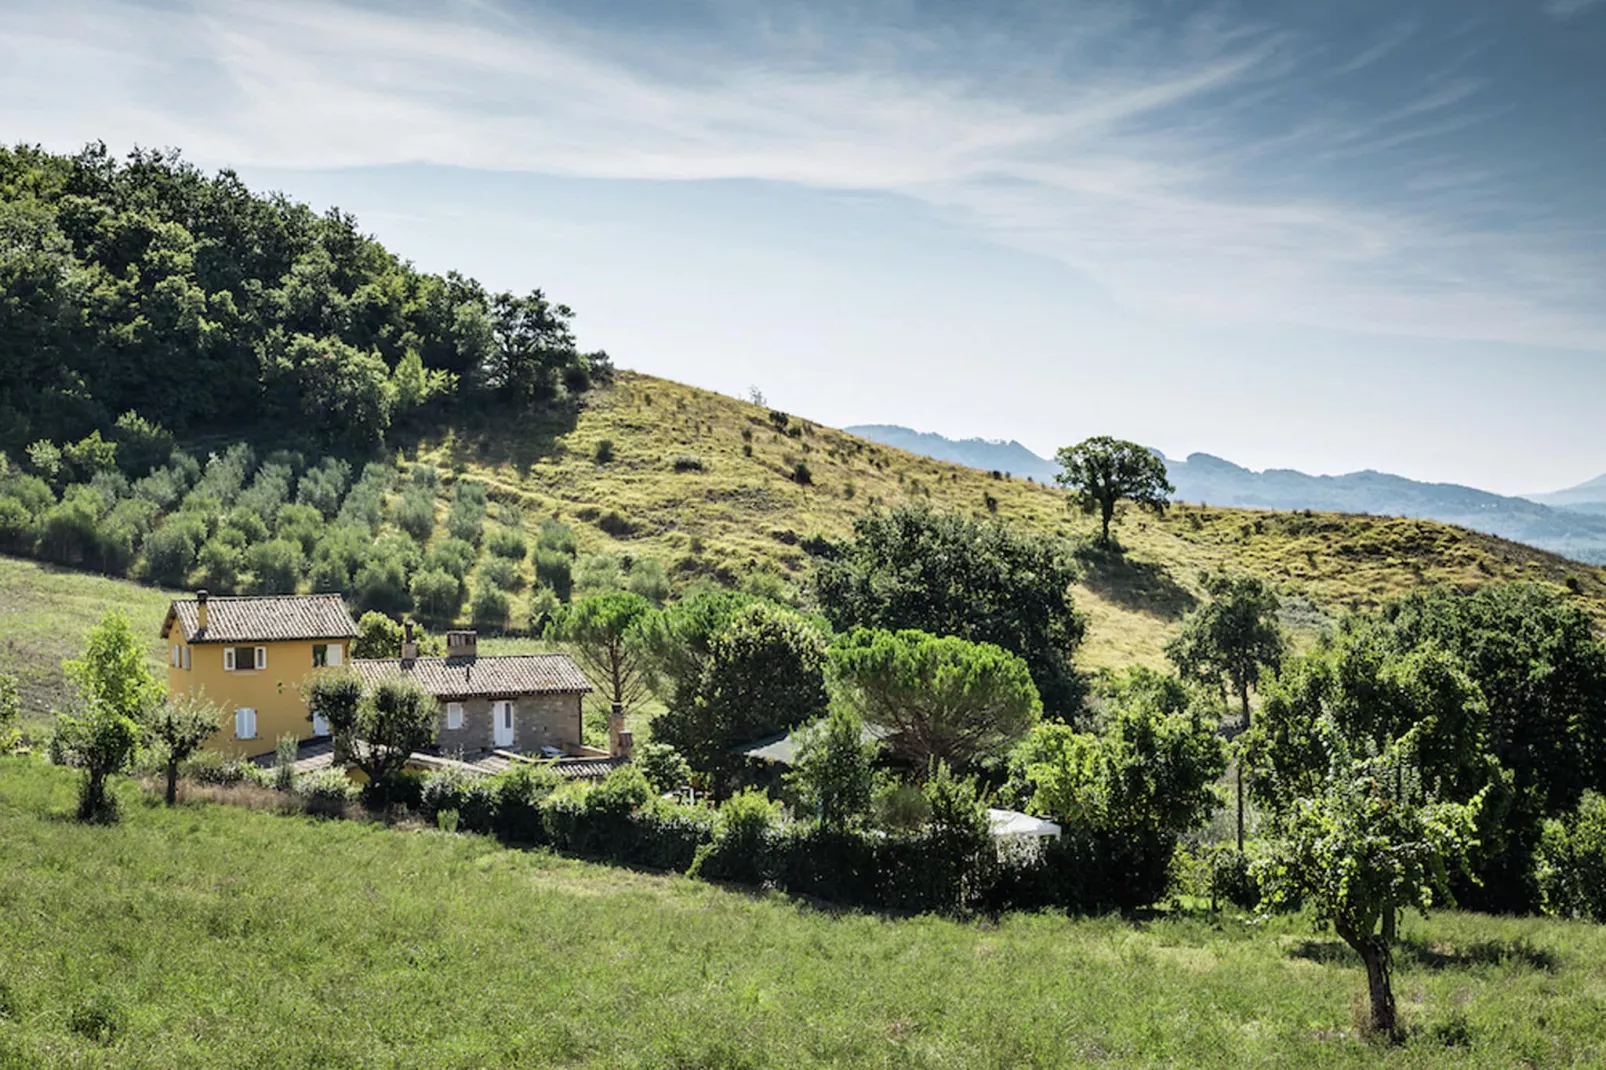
<point x="1319" y="234"/>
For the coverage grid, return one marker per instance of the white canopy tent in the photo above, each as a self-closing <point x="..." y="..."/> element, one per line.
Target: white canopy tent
<point x="1012" y="823"/>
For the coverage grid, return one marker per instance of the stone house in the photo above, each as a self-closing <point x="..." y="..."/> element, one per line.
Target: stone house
<point x="523" y="703"/>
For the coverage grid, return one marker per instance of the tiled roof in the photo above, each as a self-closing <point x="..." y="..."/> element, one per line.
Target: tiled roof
<point x="488" y="676"/>
<point x="264" y="619"/>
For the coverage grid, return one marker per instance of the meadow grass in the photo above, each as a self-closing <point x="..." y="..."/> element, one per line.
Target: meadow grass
<point x="219" y="936"/>
<point x="45" y="615"/>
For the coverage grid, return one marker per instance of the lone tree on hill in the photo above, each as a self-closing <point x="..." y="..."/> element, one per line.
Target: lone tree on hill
<point x="1102" y="471"/>
<point x="117" y="691"/>
<point x="1229" y="641"/>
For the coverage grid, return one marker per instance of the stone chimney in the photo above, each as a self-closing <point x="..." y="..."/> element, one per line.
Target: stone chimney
<point x="200" y="610"/>
<point x="620" y="741"/>
<point x="409" y="650"/>
<point x="462" y="644"/>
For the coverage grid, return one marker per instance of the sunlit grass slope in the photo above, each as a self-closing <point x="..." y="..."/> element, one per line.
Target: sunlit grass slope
<point x="708" y="484"/>
<point x="214" y="936"/>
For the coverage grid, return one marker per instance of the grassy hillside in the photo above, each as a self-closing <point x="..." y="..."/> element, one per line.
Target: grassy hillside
<point x="46" y="612"/>
<point x="215" y="936"/>
<point x="705" y="483"/>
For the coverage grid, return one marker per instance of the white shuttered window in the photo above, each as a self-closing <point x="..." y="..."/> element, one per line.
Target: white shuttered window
<point x="454" y="715"/>
<point x="245" y="723"/>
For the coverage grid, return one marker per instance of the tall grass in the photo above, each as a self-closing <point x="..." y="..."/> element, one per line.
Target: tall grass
<point x="221" y="936"/>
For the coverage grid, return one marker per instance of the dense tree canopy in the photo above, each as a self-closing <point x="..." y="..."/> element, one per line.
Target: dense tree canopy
<point x="948" y="575"/>
<point x="146" y="286"/>
<point x="940" y="698"/>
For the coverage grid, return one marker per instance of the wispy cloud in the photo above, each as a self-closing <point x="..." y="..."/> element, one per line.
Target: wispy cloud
<point x="1140" y="154"/>
<point x="1566" y="9"/>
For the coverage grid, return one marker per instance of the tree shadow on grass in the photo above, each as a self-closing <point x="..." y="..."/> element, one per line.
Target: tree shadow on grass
<point x="1417" y="952"/>
<point x="1139" y="586"/>
<point x="494" y="434"/>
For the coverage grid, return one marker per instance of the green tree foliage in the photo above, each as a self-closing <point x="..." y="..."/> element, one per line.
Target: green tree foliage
<point x="490" y="607"/>
<point x="649" y="580"/>
<point x="1147" y="770"/>
<point x="606" y="633"/>
<point x="336" y="696"/>
<point x="10" y="712"/>
<point x="1369" y="844"/>
<point x="395" y="719"/>
<point x="948" y="575"/>
<point x="680" y="641"/>
<point x="1228" y="642"/>
<point x="437" y="594"/>
<point x="940" y="698"/>
<point x="116" y="692"/>
<point x="144" y="286"/>
<point x="178" y="727"/>
<point x="378" y="636"/>
<point x="662" y="765"/>
<point x="834" y="775"/>
<point x="1541" y="668"/>
<point x="763" y="674"/>
<point x="1103" y="471"/>
<point x="1570" y="864"/>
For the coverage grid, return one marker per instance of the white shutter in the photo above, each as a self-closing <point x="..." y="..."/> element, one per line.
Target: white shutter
<point x="245" y="723"/>
<point x="262" y="657"/>
<point x="228" y="659"/>
<point x="320" y="725"/>
<point x="334" y="654"/>
<point x="454" y="715"/>
<point x="186" y="658"/>
<point x="173" y="656"/>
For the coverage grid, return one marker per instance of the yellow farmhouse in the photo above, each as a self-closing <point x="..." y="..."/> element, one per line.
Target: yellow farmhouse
<point x="251" y="656"/>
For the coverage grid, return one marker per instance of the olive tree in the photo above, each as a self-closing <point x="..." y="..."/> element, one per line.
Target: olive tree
<point x="1102" y="471"/>
<point x="395" y="719"/>
<point x="940" y="698"/>
<point x="180" y="725"/>
<point x="1370" y="844"/>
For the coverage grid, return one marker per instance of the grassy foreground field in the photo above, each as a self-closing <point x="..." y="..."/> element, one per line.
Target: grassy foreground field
<point x="214" y="936"/>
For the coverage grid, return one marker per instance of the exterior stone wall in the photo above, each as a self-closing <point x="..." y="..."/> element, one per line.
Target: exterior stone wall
<point x="538" y="721"/>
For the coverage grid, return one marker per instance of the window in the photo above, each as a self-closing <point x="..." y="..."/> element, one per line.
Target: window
<point x="245" y="723"/>
<point x="454" y="715"/>
<point x="320" y="655"/>
<point x="186" y="652"/>
<point x="174" y="659"/>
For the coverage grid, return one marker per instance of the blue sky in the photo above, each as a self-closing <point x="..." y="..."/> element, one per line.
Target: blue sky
<point x="1319" y="235"/>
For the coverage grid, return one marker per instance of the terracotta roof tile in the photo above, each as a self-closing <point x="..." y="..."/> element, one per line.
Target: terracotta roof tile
<point x="487" y="676"/>
<point x="262" y="619"/>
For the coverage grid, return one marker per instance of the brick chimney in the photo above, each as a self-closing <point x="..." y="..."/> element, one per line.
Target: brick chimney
<point x="620" y="741"/>
<point x="462" y="644"/>
<point x="409" y="650"/>
<point x="200" y="610"/>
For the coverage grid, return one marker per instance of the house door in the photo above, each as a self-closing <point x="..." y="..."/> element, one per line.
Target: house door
<point x="320" y="725"/>
<point x="502" y="724"/>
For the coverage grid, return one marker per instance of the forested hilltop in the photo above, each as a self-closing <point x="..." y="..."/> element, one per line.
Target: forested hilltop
<point x="146" y="294"/>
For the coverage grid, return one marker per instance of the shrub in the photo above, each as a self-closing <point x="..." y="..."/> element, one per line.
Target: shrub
<point x="451" y="555"/>
<point x="649" y="580"/>
<point x="507" y="543"/>
<point x="543" y="606"/>
<point x="437" y="594"/>
<point x="688" y="463"/>
<point x="598" y="574"/>
<point x="739" y="850"/>
<point x="1570" y="864"/>
<point x="518" y="796"/>
<point x="553" y="568"/>
<point x="415" y="514"/>
<point x="276" y="567"/>
<point x="16" y="526"/>
<point x="490" y="607"/>
<point x="801" y="474"/>
<point x="1232" y="879"/>
<point x="328" y="792"/>
<point x="604" y="451"/>
<point x="616" y="524"/>
<point x="663" y="766"/>
<point x="501" y="573"/>
<point x="556" y="535"/>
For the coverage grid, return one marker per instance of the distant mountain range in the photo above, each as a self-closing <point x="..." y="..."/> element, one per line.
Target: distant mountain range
<point x="1570" y="522"/>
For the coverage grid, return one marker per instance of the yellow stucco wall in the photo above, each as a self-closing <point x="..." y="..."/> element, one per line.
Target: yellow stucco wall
<point x="274" y="692"/>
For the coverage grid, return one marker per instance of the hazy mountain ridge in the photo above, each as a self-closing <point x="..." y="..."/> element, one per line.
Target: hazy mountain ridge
<point x="1571" y="522"/>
